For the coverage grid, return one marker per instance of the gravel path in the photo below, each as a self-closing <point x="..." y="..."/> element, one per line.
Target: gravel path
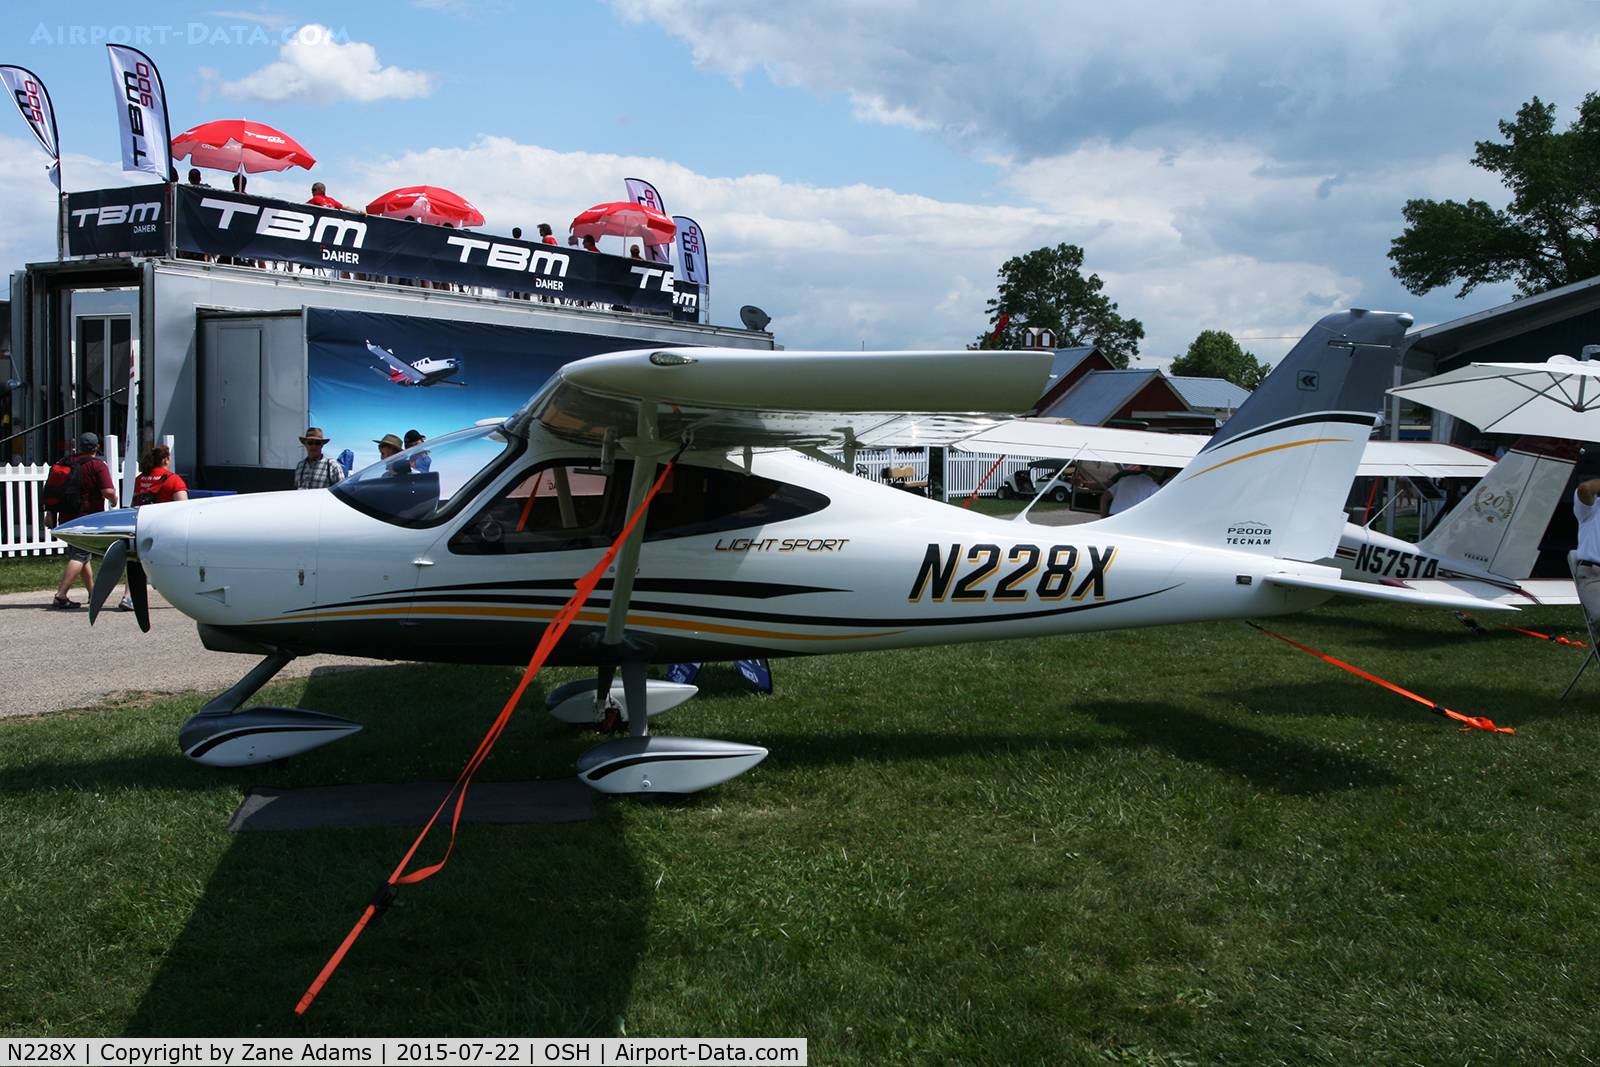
<point x="58" y="660"/>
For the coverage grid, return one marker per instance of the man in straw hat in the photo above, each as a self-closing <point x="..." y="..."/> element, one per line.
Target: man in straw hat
<point x="390" y="446"/>
<point x="316" y="471"/>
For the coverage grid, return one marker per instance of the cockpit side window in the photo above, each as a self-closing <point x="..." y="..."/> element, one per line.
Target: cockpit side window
<point x="555" y="506"/>
<point x="571" y="504"/>
<point x="702" y="500"/>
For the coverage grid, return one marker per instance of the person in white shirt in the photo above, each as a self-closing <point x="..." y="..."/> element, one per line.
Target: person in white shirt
<point x="1586" y="570"/>
<point x="1133" y="485"/>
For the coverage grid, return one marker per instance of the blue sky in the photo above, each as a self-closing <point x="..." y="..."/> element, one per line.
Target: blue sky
<point x="861" y="168"/>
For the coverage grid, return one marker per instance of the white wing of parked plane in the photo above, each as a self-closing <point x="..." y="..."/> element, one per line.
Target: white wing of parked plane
<point x="1421" y="459"/>
<point x="1058" y="440"/>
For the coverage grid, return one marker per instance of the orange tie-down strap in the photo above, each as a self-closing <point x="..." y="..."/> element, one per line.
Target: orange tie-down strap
<point x="1472" y="624"/>
<point x="1547" y="637"/>
<point x="1479" y="723"/>
<point x="386" y="893"/>
<point x="982" y="481"/>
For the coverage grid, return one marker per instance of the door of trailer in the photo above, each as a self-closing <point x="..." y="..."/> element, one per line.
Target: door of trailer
<point x="102" y="331"/>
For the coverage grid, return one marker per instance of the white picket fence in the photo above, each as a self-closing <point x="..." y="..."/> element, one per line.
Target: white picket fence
<point x="962" y="470"/>
<point x="22" y="529"/>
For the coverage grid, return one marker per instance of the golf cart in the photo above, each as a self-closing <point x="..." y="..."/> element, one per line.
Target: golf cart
<point x="1025" y="483"/>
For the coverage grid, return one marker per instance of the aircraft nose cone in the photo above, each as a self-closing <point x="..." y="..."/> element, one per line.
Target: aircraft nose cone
<point x="99" y="531"/>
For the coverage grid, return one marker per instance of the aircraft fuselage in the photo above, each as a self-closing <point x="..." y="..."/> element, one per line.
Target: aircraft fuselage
<point x="872" y="568"/>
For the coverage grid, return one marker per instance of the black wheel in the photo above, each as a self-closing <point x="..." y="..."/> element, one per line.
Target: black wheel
<point x="1005" y="492"/>
<point x="1060" y="494"/>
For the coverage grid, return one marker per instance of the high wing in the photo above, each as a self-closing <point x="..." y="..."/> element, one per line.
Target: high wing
<point x="720" y="400"/>
<point x="397" y="364"/>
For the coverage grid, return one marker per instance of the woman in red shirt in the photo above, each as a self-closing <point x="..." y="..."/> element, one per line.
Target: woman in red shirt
<point x="156" y="484"/>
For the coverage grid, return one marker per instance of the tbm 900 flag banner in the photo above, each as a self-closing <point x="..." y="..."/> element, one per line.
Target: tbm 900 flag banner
<point x="642" y="192"/>
<point x="141" y="111"/>
<point x="34" y="103"/>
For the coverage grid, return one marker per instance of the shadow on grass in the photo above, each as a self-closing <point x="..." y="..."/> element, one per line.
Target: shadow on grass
<point x="530" y="929"/>
<point x="1365" y="702"/>
<point x="1265" y="760"/>
<point x="1441" y="632"/>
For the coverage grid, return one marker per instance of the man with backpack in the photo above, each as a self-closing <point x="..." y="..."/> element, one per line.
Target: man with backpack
<point x="78" y="485"/>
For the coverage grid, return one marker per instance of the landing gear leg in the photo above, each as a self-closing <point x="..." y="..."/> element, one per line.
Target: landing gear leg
<point x="227" y="703"/>
<point x="609" y="718"/>
<point x="224" y="735"/>
<point x="633" y="691"/>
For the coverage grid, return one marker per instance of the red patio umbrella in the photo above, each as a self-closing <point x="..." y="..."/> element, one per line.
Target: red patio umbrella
<point x="427" y="203"/>
<point x="234" y="144"/>
<point x="625" y="219"/>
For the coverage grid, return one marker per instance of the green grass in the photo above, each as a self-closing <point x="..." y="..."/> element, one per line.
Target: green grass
<point x="1188" y="845"/>
<point x="24" y="574"/>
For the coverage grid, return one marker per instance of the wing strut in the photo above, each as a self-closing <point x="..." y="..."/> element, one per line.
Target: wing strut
<point x="646" y="448"/>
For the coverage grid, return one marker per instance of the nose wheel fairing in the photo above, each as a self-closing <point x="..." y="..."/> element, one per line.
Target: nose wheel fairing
<point x="259" y="735"/>
<point x="223" y="734"/>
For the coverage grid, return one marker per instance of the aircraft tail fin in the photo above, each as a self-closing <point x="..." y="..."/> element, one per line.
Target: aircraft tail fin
<point x="1274" y="479"/>
<point x="1499" y="524"/>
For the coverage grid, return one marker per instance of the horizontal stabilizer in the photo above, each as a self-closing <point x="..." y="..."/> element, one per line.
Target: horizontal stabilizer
<point x="1528" y="593"/>
<point x="1394" y="593"/>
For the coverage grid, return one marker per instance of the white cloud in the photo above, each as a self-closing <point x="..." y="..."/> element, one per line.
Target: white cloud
<point x="1210" y="235"/>
<point x="1040" y="76"/>
<point x="840" y="266"/>
<point x="316" y="67"/>
<point x="27" y="229"/>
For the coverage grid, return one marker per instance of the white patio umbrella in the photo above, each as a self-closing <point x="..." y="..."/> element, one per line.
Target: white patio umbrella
<point x="1557" y="398"/>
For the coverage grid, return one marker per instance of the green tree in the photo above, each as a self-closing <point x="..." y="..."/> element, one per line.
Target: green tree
<point x="1548" y="236"/>
<point x="1215" y="354"/>
<point x="1046" y="288"/>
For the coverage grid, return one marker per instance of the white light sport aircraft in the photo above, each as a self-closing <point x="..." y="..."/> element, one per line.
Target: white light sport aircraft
<point x="422" y="372"/>
<point x="748" y="550"/>
<point x="1486" y="546"/>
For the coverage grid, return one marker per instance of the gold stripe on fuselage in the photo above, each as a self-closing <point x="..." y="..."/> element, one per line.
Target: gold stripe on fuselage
<point x="545" y="614"/>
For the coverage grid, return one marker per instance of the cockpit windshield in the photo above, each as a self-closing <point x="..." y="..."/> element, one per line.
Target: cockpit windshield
<point x="423" y="486"/>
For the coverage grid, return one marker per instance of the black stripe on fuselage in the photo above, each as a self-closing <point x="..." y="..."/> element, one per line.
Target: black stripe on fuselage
<point x="771" y="618"/>
<point x="686" y="586"/>
<point x="1353" y="417"/>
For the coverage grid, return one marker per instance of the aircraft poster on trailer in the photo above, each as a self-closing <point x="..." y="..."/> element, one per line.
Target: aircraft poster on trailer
<point x="439" y="376"/>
